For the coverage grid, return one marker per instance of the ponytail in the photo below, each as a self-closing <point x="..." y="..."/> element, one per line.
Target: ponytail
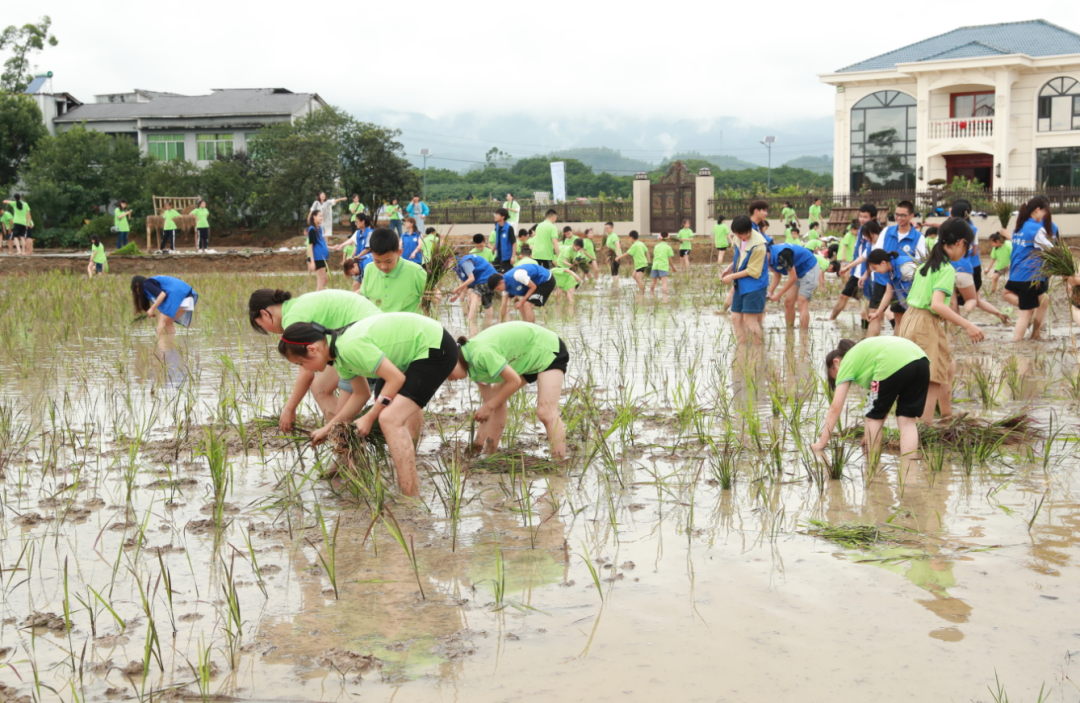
<point x="18" y="202"/>
<point x="461" y="342"/>
<point x="842" y="348"/>
<point x="261" y="300"/>
<point x="950" y="232"/>
<point x="1038" y="201"/>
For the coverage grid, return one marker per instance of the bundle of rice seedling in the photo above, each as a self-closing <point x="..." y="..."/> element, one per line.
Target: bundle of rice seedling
<point x="442" y="264"/>
<point x="962" y="432"/>
<point x="505" y="463"/>
<point x="1004" y="210"/>
<point x="1058" y="261"/>
<point x="848" y="534"/>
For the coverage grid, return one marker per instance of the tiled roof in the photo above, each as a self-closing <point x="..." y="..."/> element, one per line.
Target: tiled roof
<point x="260" y="101"/>
<point x="1033" y="38"/>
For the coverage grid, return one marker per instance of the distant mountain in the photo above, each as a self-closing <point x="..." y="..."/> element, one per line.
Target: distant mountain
<point x="721" y="163"/>
<point x="601" y="159"/>
<point x="459" y="141"/>
<point x="818" y="164"/>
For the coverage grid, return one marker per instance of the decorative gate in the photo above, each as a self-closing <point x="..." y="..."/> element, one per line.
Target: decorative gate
<point x="672" y="200"/>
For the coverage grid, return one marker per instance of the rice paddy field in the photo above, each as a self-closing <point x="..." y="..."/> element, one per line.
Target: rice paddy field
<point x="160" y="538"/>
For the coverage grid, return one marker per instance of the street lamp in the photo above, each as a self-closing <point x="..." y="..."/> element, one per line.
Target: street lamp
<point x="768" y="142"/>
<point x="425" y="153"/>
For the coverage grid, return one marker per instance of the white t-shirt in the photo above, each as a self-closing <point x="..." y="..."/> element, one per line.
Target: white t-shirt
<point x="327" y="210"/>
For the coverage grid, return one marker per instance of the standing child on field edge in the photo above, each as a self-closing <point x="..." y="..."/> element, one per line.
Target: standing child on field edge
<point x="99" y="262"/>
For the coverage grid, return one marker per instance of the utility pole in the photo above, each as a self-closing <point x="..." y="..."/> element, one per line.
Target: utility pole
<point x="768" y="142"/>
<point x="425" y="153"/>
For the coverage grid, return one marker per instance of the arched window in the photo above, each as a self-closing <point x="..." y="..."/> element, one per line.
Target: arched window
<point x="1059" y="105"/>
<point x="883" y="141"/>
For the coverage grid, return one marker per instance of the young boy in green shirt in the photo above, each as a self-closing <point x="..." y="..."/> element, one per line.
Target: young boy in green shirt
<point x="787" y="214"/>
<point x="662" y="255"/>
<point x="686" y="238"/>
<point x="639" y="253"/>
<point x="720" y="232"/>
<point x="391" y="282"/>
<point x="567" y="281"/>
<point x="611" y="241"/>
<point x="1000" y="256"/>
<point x="815" y="214"/>
<point x="522" y="242"/>
<point x="580" y="256"/>
<point x="481" y="248"/>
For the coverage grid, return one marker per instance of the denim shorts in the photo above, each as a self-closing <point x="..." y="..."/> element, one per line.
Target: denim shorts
<point x="752" y="303"/>
<point x="658" y="274"/>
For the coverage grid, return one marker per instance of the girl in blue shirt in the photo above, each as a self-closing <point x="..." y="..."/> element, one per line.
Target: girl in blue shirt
<point x="1027" y="287"/>
<point x="317" y="252"/>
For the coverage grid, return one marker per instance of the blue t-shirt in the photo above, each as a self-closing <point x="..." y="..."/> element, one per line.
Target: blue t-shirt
<point x="892" y="242"/>
<point x="480" y="269"/>
<point x="409" y="243"/>
<point x="1024" y="264"/>
<point x="537" y="274"/>
<point x="319" y="250"/>
<point x="805" y="260"/>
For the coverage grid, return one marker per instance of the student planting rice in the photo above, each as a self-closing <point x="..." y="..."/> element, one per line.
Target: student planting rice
<point x="662" y="257"/>
<point x="800" y="265"/>
<point x="1027" y="286"/>
<point x="611" y="241"/>
<point x="481" y="248"/>
<point x="749" y="279"/>
<point x="720" y="233"/>
<point x="639" y="254"/>
<point x="390" y="282"/>
<point x="1000" y="257"/>
<point x="969" y="269"/>
<point x="859" y="281"/>
<point x="566" y="281"/>
<point x="317" y="251"/>
<point x="357" y="246"/>
<point x="99" y="261"/>
<point x="504" y="359"/>
<point x="899" y="271"/>
<point x="410" y="355"/>
<point x="169" y="299"/>
<point x="531" y="284"/>
<point x="894" y="371"/>
<point x="928" y="310"/>
<point x="271" y="311"/>
<point x="474" y="272"/>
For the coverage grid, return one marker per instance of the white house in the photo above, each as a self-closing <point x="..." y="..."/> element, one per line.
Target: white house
<point x="999" y="102"/>
<point x="199" y="128"/>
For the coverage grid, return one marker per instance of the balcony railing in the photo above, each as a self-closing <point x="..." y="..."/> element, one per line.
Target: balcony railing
<point x="962" y="128"/>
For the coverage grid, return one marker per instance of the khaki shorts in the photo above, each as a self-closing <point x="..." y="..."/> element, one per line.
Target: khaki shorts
<point x="928" y="331"/>
<point x="964" y="280"/>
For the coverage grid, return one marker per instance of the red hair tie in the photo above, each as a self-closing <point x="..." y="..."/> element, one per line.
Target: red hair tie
<point x="299" y="344"/>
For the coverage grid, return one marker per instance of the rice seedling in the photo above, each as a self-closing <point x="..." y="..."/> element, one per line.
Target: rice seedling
<point x="392" y="526"/>
<point x="329" y="561"/>
<point x="848" y="534"/>
<point x="1058" y="261"/>
<point x="724" y="460"/>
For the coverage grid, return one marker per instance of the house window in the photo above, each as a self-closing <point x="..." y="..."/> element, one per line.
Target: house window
<point x="972" y="105"/>
<point x="214" y="146"/>
<point x="1059" y="105"/>
<point x="165" y="147"/>
<point x="883" y="141"/>
<point x="1058" y="167"/>
<point x="250" y="139"/>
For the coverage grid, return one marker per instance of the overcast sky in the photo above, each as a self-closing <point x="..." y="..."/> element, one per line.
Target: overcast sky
<point x="602" y="61"/>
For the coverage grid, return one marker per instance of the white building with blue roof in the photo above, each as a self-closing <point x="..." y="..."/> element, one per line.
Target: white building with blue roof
<point x="1000" y="103"/>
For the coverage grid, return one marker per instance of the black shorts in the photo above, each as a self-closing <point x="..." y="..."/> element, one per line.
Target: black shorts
<point x="721" y="248"/>
<point x="614" y="267"/>
<point x="907" y="388"/>
<point x="977" y="275"/>
<point x="18" y="230"/>
<point x="502" y="266"/>
<point x="320" y="264"/>
<point x="544" y="263"/>
<point x="424" y="376"/>
<point x="29" y="233"/>
<point x="1028" y="292"/>
<point x="684" y="252"/>
<point x="643" y="269"/>
<point x="897" y="308"/>
<point x="542" y="293"/>
<point x="879" y="293"/>
<point x="559" y="363"/>
<point x="487" y="296"/>
<point x="852" y="287"/>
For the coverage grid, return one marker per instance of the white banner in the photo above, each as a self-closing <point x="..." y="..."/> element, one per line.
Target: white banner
<point x="558" y="181"/>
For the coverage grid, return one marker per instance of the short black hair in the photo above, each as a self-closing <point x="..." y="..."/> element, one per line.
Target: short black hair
<point x="503" y="212"/>
<point x="634" y="234"/>
<point x="478" y="238"/>
<point x="567" y="229"/>
<point x="996" y="237"/>
<point x="579" y="242"/>
<point x="869" y="208"/>
<point x="813" y="225"/>
<point x="741" y="225"/>
<point x="383" y="241"/>
<point x="523" y="233"/>
<point x="494" y="280"/>
<point x="907" y="205"/>
<point x="551" y="212"/>
<point x="610" y="224"/>
<point x="756" y="205"/>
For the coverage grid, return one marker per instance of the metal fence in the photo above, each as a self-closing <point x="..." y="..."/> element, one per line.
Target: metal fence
<point x="622" y="211"/>
<point x="1062" y="200"/>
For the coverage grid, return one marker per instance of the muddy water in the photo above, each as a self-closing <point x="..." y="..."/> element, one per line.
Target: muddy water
<point x="699" y="593"/>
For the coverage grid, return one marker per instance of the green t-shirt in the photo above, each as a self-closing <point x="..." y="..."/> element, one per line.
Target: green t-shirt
<point x="526" y="347"/>
<point x="686" y="237"/>
<point x="1001" y="256"/>
<point x="640" y="253"/>
<point x="514" y="208"/>
<point x="822" y="262"/>
<point x="348" y="250"/>
<point x="661" y="256"/>
<point x="426" y="246"/>
<point x="485" y="254"/>
<point x="815" y="213"/>
<point x="812" y="244"/>
<point x="525" y="260"/>
<point x="354" y="210"/>
<point x="401" y="290"/>
<point x="720" y="234"/>
<point x="923" y="287"/>
<point x="202" y="216"/>
<point x="612" y="242"/>
<point x="932" y="240"/>
<point x="877" y="358"/>
<point x="22" y="214"/>
<point x="170" y="219"/>
<point x="847" y="247"/>
<point x="123" y="224"/>
<point x="99" y="256"/>
<point x="564" y="279"/>
<point x="788" y="214"/>
<point x="542" y="241"/>
<point x="330" y="308"/>
<point x="589" y="247"/>
<point x="393" y="212"/>
<point x="400" y="337"/>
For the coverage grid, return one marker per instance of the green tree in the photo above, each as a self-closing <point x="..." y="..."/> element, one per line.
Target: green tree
<point x="22" y="42"/>
<point x="21" y="128"/>
<point x="373" y="164"/>
<point x="70" y="176"/>
<point x="294" y="162"/>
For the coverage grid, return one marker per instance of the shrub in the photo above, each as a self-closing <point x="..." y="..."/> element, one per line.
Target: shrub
<point x="59" y="238"/>
<point x="129" y="249"/>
